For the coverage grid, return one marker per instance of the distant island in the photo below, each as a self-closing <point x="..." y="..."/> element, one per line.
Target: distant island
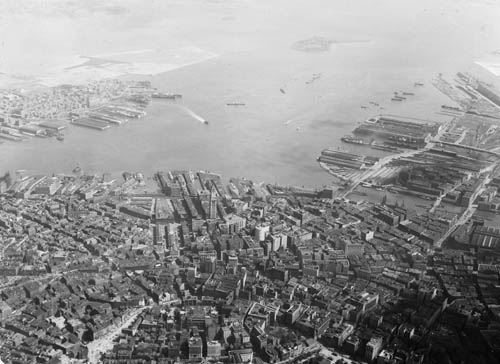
<point x="313" y="44"/>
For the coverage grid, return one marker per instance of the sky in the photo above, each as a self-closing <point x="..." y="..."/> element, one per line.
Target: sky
<point x="38" y="35"/>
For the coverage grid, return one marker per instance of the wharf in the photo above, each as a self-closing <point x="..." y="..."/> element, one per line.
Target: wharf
<point x="91" y="123"/>
<point x="10" y="137"/>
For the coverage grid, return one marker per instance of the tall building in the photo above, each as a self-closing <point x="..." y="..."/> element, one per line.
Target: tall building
<point x="212" y="209"/>
<point x="261" y="231"/>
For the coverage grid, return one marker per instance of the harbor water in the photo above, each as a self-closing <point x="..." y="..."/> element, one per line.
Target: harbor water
<point x="296" y="103"/>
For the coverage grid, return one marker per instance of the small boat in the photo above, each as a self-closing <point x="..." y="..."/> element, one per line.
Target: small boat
<point x="205" y="122"/>
<point x="60" y="138"/>
<point x="282" y="91"/>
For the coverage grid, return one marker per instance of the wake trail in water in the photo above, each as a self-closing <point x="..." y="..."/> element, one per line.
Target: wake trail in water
<point x="192" y="113"/>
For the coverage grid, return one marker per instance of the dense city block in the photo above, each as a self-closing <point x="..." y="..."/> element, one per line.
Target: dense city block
<point x="201" y="268"/>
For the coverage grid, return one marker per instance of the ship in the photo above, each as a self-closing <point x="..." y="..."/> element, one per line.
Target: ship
<point x="235" y="104"/>
<point x="453" y="108"/>
<point x="205" y="122"/>
<point x="418" y="84"/>
<point x="395" y="99"/>
<point x="162" y="95"/>
<point x="408" y="93"/>
<point x="60" y="137"/>
<point x="352" y="140"/>
<point x="282" y="91"/>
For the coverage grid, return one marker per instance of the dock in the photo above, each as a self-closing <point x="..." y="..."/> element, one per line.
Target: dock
<point x="91" y="123"/>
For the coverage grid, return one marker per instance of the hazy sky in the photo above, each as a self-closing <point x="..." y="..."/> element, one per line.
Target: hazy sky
<point x="36" y="35"/>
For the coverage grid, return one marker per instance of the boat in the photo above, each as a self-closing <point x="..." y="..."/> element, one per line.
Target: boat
<point x="60" y="138"/>
<point x="395" y="99"/>
<point x="418" y="84"/>
<point x="352" y="140"/>
<point x="282" y="91"/>
<point x="77" y="169"/>
<point x="453" y="108"/>
<point x="162" y="95"/>
<point x="205" y="122"/>
<point x="235" y="104"/>
<point x="408" y="93"/>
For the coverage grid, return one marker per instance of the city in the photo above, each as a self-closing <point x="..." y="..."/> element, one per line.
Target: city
<point x="213" y="182"/>
<point x="244" y="272"/>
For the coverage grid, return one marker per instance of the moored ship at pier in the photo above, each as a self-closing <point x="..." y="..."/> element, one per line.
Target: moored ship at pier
<point x="352" y="140"/>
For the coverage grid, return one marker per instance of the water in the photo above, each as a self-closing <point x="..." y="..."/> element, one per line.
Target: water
<point x="275" y="137"/>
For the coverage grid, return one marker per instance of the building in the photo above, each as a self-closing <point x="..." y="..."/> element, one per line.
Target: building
<point x="48" y="186"/>
<point x="213" y="349"/>
<point x="234" y="223"/>
<point x="212" y="208"/>
<point x="261" y="232"/>
<point x="486" y="237"/>
<point x="341" y="333"/>
<point x="351" y="344"/>
<point x="373" y="348"/>
<point x="195" y="347"/>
